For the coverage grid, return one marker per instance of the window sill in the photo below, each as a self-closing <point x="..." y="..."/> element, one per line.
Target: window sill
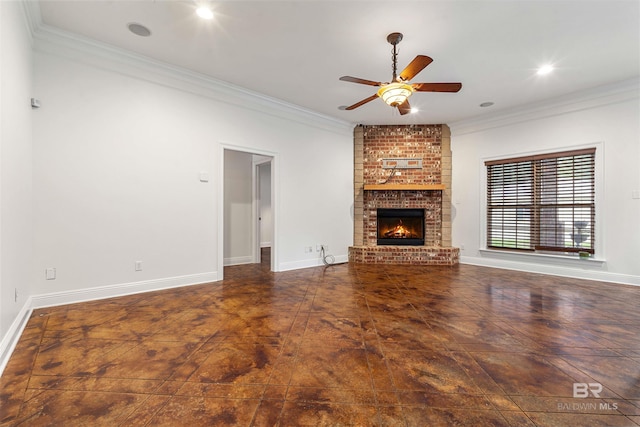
<point x="546" y="257"/>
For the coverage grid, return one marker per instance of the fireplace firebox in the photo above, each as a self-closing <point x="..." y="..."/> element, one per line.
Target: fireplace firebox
<point x="400" y="227"/>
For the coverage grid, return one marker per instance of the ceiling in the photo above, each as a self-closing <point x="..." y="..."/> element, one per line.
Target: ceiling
<point x="295" y="51"/>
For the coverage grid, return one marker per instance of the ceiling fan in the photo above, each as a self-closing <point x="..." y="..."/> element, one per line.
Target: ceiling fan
<point x="397" y="92"/>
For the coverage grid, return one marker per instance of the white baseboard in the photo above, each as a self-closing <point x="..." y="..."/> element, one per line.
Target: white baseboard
<point x="11" y="338"/>
<point x="580" y="269"/>
<point x="239" y="260"/>
<point x="110" y="291"/>
<point x="307" y="263"/>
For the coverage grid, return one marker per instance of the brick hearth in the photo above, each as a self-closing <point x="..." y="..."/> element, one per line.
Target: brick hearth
<point x="413" y="255"/>
<point x="428" y="188"/>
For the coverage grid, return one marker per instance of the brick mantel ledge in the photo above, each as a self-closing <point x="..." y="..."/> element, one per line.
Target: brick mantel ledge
<point x="409" y="255"/>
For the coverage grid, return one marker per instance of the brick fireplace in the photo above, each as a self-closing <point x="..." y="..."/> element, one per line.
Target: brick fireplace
<point x="423" y="183"/>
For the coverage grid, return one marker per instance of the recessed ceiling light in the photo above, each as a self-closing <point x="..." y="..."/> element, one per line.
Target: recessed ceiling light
<point x="204" y="12"/>
<point x="486" y="104"/>
<point x="545" y="69"/>
<point x="139" y="29"/>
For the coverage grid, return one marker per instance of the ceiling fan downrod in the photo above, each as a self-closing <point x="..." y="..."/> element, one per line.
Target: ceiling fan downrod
<point x="394" y="39"/>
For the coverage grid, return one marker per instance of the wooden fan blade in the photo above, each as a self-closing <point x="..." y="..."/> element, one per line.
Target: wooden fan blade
<point x="361" y="81"/>
<point x="364" y="101"/>
<point x="404" y="108"/>
<point x="437" y="87"/>
<point x="418" y="64"/>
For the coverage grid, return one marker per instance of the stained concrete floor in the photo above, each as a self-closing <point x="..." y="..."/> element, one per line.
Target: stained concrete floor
<point x="346" y="345"/>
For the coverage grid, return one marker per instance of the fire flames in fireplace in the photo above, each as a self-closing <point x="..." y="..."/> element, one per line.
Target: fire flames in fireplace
<point x="400" y="227"/>
<point x="400" y="232"/>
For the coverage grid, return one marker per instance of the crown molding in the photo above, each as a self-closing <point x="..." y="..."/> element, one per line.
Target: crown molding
<point x="623" y="91"/>
<point x="32" y="17"/>
<point x="51" y="40"/>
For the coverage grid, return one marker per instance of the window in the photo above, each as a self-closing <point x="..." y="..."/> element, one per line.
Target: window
<point x="544" y="202"/>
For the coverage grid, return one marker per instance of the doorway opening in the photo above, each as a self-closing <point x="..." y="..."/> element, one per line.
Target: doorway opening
<point x="264" y="213"/>
<point x="247" y="218"/>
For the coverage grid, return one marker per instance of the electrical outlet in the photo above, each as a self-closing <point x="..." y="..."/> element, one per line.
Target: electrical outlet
<point x="50" y="273"/>
<point x="138" y="265"/>
<point x="318" y="247"/>
<point x="308" y="249"/>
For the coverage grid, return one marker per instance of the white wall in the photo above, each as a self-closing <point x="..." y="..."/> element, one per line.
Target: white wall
<point x="607" y="117"/>
<point x="118" y="148"/>
<point x="16" y="235"/>
<point x="116" y="164"/>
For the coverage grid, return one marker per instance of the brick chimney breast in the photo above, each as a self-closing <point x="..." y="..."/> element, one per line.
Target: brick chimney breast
<point x="428" y="188"/>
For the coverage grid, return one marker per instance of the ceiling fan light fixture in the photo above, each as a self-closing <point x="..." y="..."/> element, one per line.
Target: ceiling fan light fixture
<point x="396" y="93"/>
